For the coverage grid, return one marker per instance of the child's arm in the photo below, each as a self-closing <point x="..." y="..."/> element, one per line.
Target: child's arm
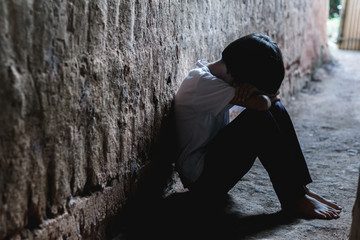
<point x="250" y="97"/>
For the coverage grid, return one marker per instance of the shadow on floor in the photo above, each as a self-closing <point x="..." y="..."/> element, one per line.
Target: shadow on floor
<point x="181" y="216"/>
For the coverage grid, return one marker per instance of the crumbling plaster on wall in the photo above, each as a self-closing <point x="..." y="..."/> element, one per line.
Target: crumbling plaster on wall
<point x="85" y="86"/>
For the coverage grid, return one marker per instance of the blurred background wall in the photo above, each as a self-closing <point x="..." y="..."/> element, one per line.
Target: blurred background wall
<point x="349" y="32"/>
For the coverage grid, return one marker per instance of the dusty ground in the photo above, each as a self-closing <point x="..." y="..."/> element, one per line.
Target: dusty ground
<point x="326" y="115"/>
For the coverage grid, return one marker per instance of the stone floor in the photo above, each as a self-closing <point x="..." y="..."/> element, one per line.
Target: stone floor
<point x="326" y="115"/>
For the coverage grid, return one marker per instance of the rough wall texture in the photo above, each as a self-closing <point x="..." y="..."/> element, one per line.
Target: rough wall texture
<point x="85" y="85"/>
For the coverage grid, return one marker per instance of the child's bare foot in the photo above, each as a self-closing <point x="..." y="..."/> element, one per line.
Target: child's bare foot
<point x="310" y="207"/>
<point x="323" y="200"/>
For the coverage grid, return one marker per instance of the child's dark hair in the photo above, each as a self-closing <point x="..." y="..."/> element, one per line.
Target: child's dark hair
<point x="255" y="59"/>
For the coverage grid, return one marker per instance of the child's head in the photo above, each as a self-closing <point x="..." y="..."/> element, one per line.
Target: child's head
<point x="255" y="59"/>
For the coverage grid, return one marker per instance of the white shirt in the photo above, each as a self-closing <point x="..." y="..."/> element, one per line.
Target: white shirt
<point x="201" y="110"/>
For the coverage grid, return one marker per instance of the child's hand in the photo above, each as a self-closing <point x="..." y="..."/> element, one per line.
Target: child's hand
<point x="244" y="91"/>
<point x="274" y="97"/>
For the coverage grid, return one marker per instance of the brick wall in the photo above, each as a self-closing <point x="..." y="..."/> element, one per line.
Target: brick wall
<point x="85" y="86"/>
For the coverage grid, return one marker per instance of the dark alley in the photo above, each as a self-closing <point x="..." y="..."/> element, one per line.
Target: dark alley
<point x="106" y="105"/>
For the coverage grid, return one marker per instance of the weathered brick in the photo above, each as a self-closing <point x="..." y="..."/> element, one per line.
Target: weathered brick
<point x="85" y="86"/>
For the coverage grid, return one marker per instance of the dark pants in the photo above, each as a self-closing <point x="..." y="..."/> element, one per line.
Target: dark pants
<point x="268" y="135"/>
